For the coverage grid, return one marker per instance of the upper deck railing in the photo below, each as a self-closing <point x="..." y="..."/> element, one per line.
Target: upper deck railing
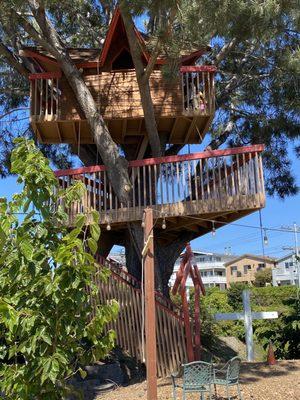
<point x="117" y="94"/>
<point x="180" y="185"/>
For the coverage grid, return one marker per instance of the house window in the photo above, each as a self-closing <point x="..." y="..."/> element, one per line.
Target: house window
<point x="246" y="268"/>
<point x="286" y="265"/>
<point x="260" y="266"/>
<point x="233" y="269"/>
<point x="218" y="258"/>
<point x="238" y="274"/>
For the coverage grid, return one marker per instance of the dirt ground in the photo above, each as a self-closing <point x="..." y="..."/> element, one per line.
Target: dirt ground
<point x="258" y="382"/>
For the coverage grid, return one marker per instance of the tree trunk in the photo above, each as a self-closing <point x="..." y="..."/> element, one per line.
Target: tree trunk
<point x="165" y="255"/>
<point x="116" y="164"/>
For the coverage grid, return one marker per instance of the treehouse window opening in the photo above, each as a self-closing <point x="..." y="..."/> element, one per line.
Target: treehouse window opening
<point x="123" y="61"/>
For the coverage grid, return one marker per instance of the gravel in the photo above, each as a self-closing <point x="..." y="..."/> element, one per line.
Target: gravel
<point x="258" y="382"/>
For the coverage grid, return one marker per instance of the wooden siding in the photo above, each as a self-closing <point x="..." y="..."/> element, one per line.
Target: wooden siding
<point x="184" y="107"/>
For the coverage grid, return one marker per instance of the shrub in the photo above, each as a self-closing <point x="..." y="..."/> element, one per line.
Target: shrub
<point x="48" y="329"/>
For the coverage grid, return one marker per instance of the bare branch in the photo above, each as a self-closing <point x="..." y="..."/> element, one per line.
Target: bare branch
<point x="227" y="48"/>
<point x="14" y="110"/>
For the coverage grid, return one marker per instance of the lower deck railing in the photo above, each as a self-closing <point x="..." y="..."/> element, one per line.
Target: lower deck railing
<point x="171" y="185"/>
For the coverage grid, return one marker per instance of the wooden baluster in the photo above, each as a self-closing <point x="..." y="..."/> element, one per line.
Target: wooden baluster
<point x="212" y="77"/>
<point x="250" y="174"/>
<point x="161" y="183"/>
<point x="139" y="186"/>
<point x="238" y="174"/>
<point x="46" y="99"/>
<point x="198" y="93"/>
<point x="225" y="175"/>
<point x="52" y="95"/>
<point x="261" y="174"/>
<point x="98" y="206"/>
<point x="204" y="92"/>
<point x="133" y="185"/>
<point x="167" y="182"/>
<point x="214" y="179"/>
<point x="41" y="98"/>
<point x="35" y="98"/>
<point x="94" y="189"/>
<point x="245" y="175"/>
<point x="150" y="184"/>
<point x="110" y="196"/>
<point x="183" y="91"/>
<point x="178" y="181"/>
<point x="57" y="99"/>
<point x="232" y="177"/>
<point x="105" y="193"/>
<point x="144" y="185"/>
<point x="207" y="177"/>
<point x="209" y="92"/>
<point x="187" y="91"/>
<point x="172" y="182"/>
<point x="155" y="184"/>
<point x="183" y="176"/>
<point x="201" y="178"/>
<point x="195" y="178"/>
<point x="190" y="181"/>
<point x="219" y="160"/>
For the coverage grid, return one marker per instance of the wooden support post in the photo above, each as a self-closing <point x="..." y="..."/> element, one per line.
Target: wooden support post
<point x="197" y="343"/>
<point x="150" y="323"/>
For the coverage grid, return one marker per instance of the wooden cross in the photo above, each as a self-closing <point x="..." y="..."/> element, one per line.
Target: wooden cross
<point x="247" y="316"/>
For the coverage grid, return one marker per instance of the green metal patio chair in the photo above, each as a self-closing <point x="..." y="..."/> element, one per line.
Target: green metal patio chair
<point x="228" y="376"/>
<point x="196" y="377"/>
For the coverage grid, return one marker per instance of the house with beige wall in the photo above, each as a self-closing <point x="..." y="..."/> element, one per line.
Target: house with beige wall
<point x="242" y="269"/>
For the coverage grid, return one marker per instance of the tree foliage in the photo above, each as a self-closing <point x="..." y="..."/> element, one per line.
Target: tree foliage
<point x="263" y="277"/>
<point x="48" y="328"/>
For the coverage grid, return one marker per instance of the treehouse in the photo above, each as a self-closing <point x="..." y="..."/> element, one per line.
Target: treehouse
<point x="186" y="192"/>
<point x="184" y="106"/>
<point x="190" y="194"/>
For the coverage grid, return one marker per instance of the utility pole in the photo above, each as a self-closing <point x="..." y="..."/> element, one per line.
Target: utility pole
<point x="150" y="325"/>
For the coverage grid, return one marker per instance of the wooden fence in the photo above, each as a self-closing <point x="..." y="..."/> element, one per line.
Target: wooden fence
<point x="170" y="332"/>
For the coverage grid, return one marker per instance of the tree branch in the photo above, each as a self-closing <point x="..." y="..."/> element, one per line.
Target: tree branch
<point x="227" y="48"/>
<point x="219" y="140"/>
<point x="12" y="60"/>
<point x="143" y="81"/>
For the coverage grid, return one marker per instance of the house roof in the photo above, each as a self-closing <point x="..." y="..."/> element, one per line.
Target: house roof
<point x="96" y="57"/>
<point x="286" y="257"/>
<point x="251" y="256"/>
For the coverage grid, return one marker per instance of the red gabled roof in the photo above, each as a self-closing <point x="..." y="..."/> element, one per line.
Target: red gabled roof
<point x="117" y="21"/>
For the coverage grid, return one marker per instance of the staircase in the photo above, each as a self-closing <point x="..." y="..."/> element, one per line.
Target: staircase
<point x="170" y="331"/>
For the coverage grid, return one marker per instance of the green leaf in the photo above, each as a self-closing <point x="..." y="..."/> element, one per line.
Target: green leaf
<point x="95" y="217"/>
<point x="92" y="245"/>
<point x="83" y="373"/>
<point x="95" y="231"/>
<point x="27" y="249"/>
<point x="80" y="220"/>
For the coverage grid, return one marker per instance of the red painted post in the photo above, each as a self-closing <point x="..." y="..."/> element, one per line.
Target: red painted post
<point x="150" y="324"/>
<point x="197" y="340"/>
<point x="187" y="325"/>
